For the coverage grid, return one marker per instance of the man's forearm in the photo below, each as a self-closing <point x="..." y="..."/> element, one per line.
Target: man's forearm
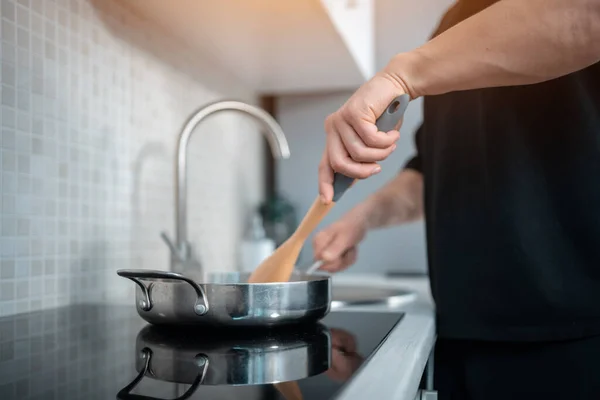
<point x="512" y="42"/>
<point x="399" y="201"/>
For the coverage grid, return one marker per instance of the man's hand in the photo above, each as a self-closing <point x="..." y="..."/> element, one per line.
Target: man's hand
<point x="337" y="244"/>
<point x="354" y="146"/>
<point x="398" y="202"/>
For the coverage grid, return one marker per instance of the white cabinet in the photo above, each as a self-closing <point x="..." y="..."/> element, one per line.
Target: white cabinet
<point x="355" y="21"/>
<point x="276" y="46"/>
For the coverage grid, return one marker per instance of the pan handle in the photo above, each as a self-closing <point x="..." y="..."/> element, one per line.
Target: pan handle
<point x="124" y="394"/>
<point x="137" y="275"/>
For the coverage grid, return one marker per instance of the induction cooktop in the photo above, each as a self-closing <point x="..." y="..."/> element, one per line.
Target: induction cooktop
<point x="109" y="352"/>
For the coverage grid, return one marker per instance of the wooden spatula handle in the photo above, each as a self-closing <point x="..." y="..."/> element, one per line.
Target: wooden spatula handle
<point x="312" y="219"/>
<point x="289" y="390"/>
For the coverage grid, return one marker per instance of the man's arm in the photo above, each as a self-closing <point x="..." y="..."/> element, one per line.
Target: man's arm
<point x="512" y="42"/>
<point x="398" y="202"/>
<point x="401" y="199"/>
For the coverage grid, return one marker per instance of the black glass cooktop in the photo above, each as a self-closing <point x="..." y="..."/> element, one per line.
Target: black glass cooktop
<point x="108" y="352"/>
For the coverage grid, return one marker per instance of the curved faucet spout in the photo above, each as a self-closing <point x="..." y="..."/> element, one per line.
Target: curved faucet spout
<point x="272" y="130"/>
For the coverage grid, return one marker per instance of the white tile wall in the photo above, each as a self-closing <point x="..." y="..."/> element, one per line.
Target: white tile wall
<point x="92" y="99"/>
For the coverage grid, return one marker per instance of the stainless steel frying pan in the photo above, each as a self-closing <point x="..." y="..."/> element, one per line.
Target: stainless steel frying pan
<point x="226" y="299"/>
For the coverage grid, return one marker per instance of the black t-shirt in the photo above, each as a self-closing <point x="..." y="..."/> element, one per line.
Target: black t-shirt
<point x="512" y="206"/>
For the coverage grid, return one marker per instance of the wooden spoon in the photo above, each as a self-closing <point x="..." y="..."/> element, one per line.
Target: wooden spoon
<point x="280" y="265"/>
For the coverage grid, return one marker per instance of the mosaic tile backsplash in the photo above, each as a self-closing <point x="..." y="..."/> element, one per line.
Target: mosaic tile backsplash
<point x="92" y="99"/>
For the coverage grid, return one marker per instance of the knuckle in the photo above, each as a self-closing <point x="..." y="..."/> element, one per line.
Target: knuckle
<point x="355" y="151"/>
<point x="380" y="155"/>
<point x="337" y="164"/>
<point x="374" y="139"/>
<point x="337" y="247"/>
<point x="336" y="256"/>
<point x="349" y="113"/>
<point x="363" y="156"/>
<point x="359" y="158"/>
<point x="370" y="139"/>
<point x="329" y="122"/>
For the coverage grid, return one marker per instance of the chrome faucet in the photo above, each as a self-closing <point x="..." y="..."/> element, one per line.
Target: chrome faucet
<point x="181" y="249"/>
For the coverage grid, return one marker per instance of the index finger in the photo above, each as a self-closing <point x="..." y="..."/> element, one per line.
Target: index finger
<point x="373" y="137"/>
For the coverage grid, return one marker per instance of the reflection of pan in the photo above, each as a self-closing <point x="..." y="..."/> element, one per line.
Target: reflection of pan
<point x="226" y="300"/>
<point x="209" y="357"/>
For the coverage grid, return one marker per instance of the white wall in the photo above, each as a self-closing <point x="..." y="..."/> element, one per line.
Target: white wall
<point x="92" y="99"/>
<point x="400" y="26"/>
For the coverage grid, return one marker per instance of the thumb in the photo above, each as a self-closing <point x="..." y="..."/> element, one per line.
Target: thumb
<point x="370" y="102"/>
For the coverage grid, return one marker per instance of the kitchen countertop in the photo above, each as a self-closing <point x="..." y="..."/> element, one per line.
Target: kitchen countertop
<point x="395" y="370"/>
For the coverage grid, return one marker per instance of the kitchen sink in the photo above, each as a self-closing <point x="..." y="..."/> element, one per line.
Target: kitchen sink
<point x="344" y="295"/>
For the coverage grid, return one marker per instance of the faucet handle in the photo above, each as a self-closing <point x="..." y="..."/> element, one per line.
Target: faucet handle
<point x="174" y="252"/>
